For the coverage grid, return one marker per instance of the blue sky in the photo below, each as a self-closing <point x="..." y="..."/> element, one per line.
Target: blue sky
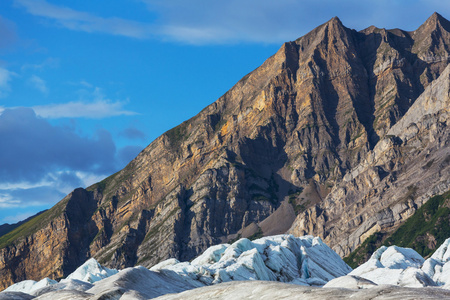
<point x="86" y="85"/>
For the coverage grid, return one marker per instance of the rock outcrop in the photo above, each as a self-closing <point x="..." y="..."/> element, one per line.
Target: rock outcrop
<point x="307" y="133"/>
<point x="405" y="168"/>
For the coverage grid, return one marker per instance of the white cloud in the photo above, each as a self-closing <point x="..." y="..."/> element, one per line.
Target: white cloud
<point x="25" y="198"/>
<point x="23" y="185"/>
<point x="192" y="22"/>
<point x="92" y="104"/>
<point x="39" y="84"/>
<point x="7" y="201"/>
<point x="86" y="84"/>
<point x="83" y="21"/>
<point x="231" y="21"/>
<point x="268" y="21"/>
<point x="46" y="192"/>
<point x="47" y="63"/>
<point x="89" y="179"/>
<point x="5" y="78"/>
<point x="77" y="109"/>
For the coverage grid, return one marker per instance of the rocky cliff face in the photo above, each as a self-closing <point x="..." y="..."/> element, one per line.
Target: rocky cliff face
<point x="405" y="168"/>
<point x="310" y="132"/>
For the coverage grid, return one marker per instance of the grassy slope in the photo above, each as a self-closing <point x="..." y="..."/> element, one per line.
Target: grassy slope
<point x="427" y="229"/>
<point x="32" y="225"/>
<point x="5" y="228"/>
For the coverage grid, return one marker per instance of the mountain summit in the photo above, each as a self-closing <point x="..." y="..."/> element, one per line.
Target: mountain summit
<point x="305" y="144"/>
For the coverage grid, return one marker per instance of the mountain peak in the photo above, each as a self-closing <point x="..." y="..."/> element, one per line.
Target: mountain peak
<point x="432" y="35"/>
<point x="333" y="26"/>
<point x="335" y="21"/>
<point x="434" y="21"/>
<point x="436" y="17"/>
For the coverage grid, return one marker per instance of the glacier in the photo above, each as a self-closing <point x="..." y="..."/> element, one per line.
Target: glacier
<point x="91" y="271"/>
<point x="281" y="264"/>
<point x="303" y="260"/>
<point x="405" y="267"/>
<point x="29" y="286"/>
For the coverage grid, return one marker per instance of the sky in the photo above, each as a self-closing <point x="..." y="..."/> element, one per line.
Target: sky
<point x="86" y="85"/>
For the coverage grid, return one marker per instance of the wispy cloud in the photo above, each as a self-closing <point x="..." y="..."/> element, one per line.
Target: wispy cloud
<point x="95" y="110"/>
<point x="89" y="179"/>
<point x="47" y="63"/>
<point x="92" y="103"/>
<point x="23" y="185"/>
<point x="86" y="84"/>
<point x="6" y="200"/>
<point x="38" y="83"/>
<point x="84" y="21"/>
<point x="5" y="79"/>
<point x="269" y="21"/>
<point x="232" y="21"/>
<point x="29" y="197"/>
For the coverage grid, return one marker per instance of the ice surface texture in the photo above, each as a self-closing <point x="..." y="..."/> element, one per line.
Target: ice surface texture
<point x="405" y="267"/>
<point x="303" y="260"/>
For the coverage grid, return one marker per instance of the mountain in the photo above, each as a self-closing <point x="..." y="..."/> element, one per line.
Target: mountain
<point x="339" y="134"/>
<point x="404" y="169"/>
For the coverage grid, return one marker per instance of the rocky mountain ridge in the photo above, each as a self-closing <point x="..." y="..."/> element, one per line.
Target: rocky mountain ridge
<point x="313" y="141"/>
<point x="387" y="181"/>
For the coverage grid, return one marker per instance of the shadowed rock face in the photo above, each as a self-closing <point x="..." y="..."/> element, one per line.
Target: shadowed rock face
<point x="277" y="144"/>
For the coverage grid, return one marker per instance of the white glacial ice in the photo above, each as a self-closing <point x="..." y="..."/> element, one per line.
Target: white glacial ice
<point x="80" y="280"/>
<point x="299" y="261"/>
<point x="438" y="265"/>
<point x="29" y="286"/>
<point x="91" y="271"/>
<point x="303" y="260"/>
<point x="140" y="283"/>
<point x="395" y="265"/>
